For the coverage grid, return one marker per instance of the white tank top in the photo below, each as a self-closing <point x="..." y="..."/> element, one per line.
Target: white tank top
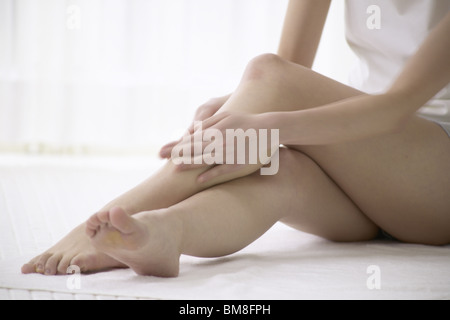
<point x="384" y="34"/>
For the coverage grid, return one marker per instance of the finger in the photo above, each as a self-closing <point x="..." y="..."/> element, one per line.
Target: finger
<point x="177" y="150"/>
<point x="201" y="161"/>
<point x="191" y="128"/>
<point x="191" y="147"/>
<point x="189" y="163"/>
<point x="214" y="120"/>
<point x="191" y="166"/>
<point x="166" y="150"/>
<point x="170" y="144"/>
<point x="196" y="126"/>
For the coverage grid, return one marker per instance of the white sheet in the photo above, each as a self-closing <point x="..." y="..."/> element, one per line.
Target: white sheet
<point x="41" y="199"/>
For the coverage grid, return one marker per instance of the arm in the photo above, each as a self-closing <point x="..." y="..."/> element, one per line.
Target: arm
<point x="303" y="26"/>
<point x="365" y="116"/>
<point x="300" y="38"/>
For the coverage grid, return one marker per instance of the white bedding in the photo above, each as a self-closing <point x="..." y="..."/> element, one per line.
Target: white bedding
<point x="41" y="199"/>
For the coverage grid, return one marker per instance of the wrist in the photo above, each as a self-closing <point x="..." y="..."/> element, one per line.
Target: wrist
<point x="276" y="121"/>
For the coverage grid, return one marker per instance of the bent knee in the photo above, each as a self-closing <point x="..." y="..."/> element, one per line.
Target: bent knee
<point x="293" y="163"/>
<point x="263" y="66"/>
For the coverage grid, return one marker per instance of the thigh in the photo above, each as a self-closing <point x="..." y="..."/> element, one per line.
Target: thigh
<point x="400" y="181"/>
<point x="300" y="195"/>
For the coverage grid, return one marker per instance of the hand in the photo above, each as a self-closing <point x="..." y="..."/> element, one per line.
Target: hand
<point x="203" y="112"/>
<point x="229" y="143"/>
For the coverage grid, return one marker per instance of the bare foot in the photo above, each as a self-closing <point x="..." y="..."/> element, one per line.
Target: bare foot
<point x="149" y="242"/>
<point x="77" y="249"/>
<point x="74" y="249"/>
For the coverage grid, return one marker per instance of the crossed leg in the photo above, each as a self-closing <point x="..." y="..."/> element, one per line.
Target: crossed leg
<point x="399" y="181"/>
<point x="226" y="218"/>
<point x="416" y="209"/>
<point x="340" y="192"/>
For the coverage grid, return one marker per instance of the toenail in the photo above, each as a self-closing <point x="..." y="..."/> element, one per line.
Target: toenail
<point x="47" y="271"/>
<point x="39" y="268"/>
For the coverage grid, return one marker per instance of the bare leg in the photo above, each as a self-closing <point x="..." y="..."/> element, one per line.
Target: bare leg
<point x="151" y="242"/>
<point x="400" y="181"/>
<point x="165" y="188"/>
<point x="271" y="84"/>
<point x="379" y="176"/>
<point x="168" y="187"/>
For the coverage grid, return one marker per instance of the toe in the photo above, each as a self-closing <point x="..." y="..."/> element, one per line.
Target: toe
<point x="91" y="226"/>
<point x="64" y="265"/>
<point x="90" y="232"/>
<point x="30" y="267"/>
<point x="80" y="262"/>
<point x="86" y="262"/>
<point x="103" y="217"/>
<point x="95" y="222"/>
<point x="51" y="265"/>
<point x="92" y="262"/>
<point x="120" y="220"/>
<point x="41" y="262"/>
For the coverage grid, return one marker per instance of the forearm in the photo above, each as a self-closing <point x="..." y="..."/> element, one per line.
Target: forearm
<point x="428" y="71"/>
<point x="352" y="119"/>
<point x="365" y="116"/>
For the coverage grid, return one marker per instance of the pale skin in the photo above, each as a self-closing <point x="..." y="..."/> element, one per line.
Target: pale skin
<point x="355" y="163"/>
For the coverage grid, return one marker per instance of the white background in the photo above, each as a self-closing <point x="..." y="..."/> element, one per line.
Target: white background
<point x="125" y="76"/>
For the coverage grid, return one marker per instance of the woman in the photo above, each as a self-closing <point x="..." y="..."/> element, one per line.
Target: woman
<point x="356" y="163"/>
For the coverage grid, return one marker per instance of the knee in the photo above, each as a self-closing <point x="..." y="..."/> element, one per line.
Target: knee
<point x="290" y="157"/>
<point x="292" y="162"/>
<point x="286" y="164"/>
<point x="264" y="66"/>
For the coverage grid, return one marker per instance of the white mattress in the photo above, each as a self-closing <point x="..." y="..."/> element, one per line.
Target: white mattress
<point x="41" y="199"/>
